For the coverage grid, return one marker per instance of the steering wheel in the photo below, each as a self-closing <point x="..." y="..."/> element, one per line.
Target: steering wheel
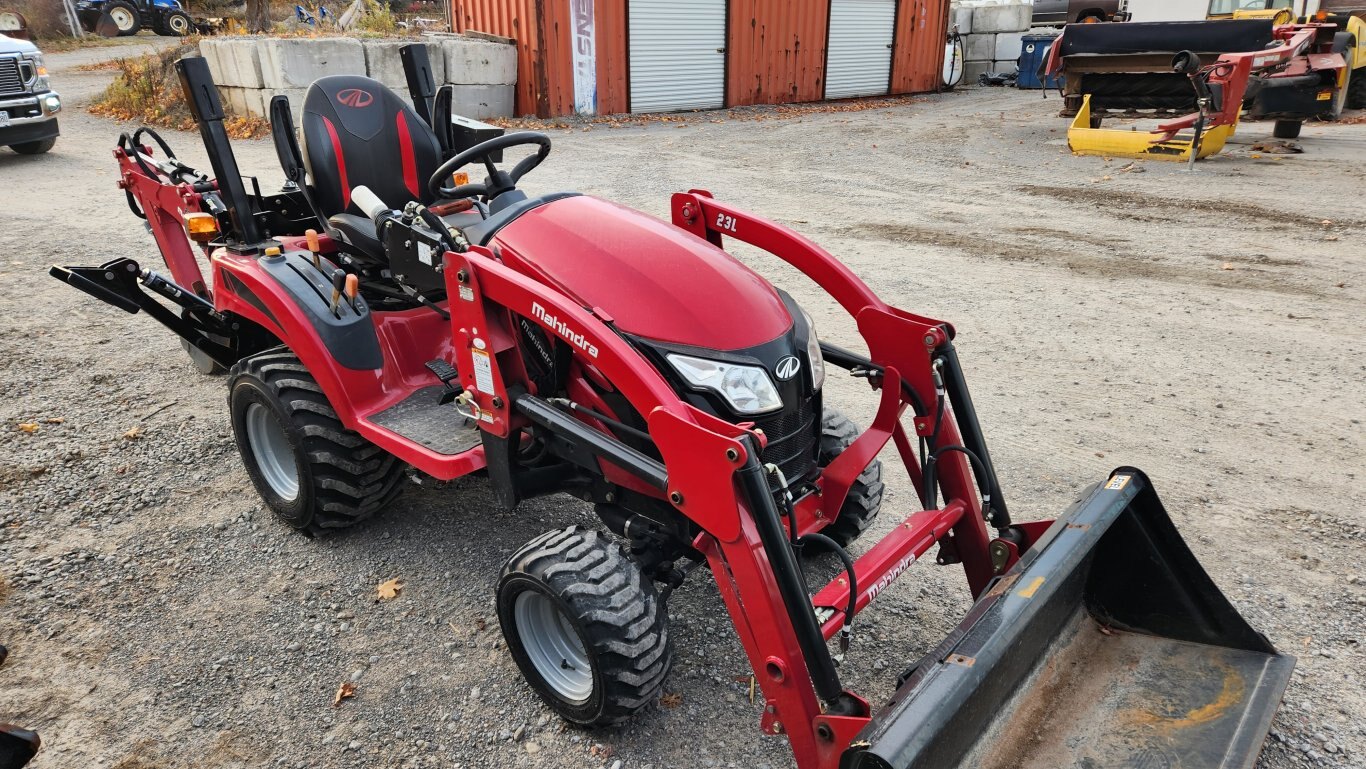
<point x="498" y="181"/>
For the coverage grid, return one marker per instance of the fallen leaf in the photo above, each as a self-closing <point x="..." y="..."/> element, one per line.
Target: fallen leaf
<point x="133" y="434"/>
<point x="55" y="420"/>
<point x="29" y="427"/>
<point x="344" y="692"/>
<point x="389" y="590"/>
<point x="671" y="700"/>
<point x="480" y="624"/>
<point x="1226" y="266"/>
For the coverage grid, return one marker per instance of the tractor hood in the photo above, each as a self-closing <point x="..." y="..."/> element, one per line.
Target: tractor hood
<point x="654" y="279"/>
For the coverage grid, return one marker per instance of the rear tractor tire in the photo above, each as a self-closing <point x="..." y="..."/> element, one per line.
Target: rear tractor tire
<point x="585" y="626"/>
<point x="125" y="18"/>
<point x="864" y="501"/>
<point x="1286" y="129"/>
<point x="312" y="471"/>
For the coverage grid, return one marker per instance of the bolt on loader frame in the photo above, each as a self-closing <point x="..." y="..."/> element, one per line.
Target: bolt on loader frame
<point x="1096" y="639"/>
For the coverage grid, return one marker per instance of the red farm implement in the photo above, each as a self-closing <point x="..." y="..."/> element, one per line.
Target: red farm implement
<point x="564" y="344"/>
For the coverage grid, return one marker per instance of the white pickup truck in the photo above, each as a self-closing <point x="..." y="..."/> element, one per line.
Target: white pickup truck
<point x="28" y="107"/>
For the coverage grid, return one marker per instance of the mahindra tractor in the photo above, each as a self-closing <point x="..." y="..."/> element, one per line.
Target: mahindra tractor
<point x="385" y="315"/>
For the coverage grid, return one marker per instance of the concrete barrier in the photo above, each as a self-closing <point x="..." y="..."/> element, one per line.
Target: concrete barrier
<point x="250" y="71"/>
<point x="1001" y="18"/>
<point x="479" y="62"/>
<point x="383" y="63"/>
<point x="1008" y="45"/>
<point x="297" y="62"/>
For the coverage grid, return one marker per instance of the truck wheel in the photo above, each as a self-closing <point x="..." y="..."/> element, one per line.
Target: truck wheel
<point x="312" y="471"/>
<point x="865" y="496"/>
<point x="124" y="17"/>
<point x="1356" y="89"/>
<point x="1286" y="129"/>
<point x="585" y="627"/>
<point x="176" y="24"/>
<point x="34" y="148"/>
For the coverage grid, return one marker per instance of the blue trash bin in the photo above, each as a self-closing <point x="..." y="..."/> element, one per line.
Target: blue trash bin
<point x="1033" y="53"/>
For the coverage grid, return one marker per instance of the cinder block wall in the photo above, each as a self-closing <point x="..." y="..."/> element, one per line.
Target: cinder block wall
<point x="250" y="71"/>
<point x="992" y="32"/>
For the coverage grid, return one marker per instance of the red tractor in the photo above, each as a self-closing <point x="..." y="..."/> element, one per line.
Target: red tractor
<point x="383" y="313"/>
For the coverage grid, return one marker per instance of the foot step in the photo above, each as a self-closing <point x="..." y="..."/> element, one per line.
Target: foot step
<point x="424" y="418"/>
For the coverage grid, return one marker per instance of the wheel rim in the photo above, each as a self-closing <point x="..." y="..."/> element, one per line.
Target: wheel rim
<point x="272" y="452"/>
<point x="178" y="25"/>
<point x="553" y="646"/>
<point x="121" y="18"/>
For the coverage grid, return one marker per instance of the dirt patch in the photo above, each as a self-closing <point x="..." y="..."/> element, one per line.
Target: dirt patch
<point x="1116" y="264"/>
<point x="1121" y="202"/>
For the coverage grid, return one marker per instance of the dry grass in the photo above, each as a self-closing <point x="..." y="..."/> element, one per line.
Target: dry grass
<point x="147" y="90"/>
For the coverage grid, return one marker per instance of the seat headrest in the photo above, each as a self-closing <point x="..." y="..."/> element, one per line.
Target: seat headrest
<point x="356" y="131"/>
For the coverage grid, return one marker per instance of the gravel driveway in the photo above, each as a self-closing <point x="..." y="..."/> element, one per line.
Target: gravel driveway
<point x="1206" y="326"/>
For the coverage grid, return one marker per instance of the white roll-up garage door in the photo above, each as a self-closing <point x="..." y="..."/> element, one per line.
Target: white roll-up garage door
<point x="859" y="58"/>
<point x="677" y="54"/>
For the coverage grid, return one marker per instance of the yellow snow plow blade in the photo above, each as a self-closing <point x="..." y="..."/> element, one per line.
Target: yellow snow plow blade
<point x="1110" y="142"/>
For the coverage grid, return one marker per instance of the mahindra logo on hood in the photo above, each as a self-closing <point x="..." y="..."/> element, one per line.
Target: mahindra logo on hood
<point x="787" y="367"/>
<point x="355" y="97"/>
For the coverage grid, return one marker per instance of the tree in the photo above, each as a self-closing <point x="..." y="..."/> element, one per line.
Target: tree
<point x="258" y="16"/>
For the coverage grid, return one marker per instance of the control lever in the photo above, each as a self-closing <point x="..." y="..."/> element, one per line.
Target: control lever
<point x="311" y="236"/>
<point x="448" y="376"/>
<point x="338" y="285"/>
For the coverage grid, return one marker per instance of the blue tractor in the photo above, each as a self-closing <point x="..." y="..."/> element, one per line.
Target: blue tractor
<point x="116" y="18"/>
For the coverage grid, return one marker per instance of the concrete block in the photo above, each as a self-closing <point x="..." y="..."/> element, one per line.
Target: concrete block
<point x="482" y="101"/>
<point x="979" y="47"/>
<point x="235" y="100"/>
<point x="1008" y="45"/>
<point x="296" y="101"/>
<point x="479" y="62"/>
<point x="297" y="62"/>
<point x="962" y="16"/>
<point x="241" y="62"/>
<point x="972" y="69"/>
<point x="1001" y="18"/>
<point x="209" y="50"/>
<point x="1006" y="67"/>
<point x="383" y="63"/>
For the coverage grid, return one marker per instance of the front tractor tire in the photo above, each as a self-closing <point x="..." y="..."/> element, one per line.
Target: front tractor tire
<point x="585" y="626"/>
<point x="864" y="500"/>
<point x="176" y="24"/>
<point x="313" y="472"/>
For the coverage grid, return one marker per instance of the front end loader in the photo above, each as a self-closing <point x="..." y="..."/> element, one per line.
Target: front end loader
<point x="384" y="315"/>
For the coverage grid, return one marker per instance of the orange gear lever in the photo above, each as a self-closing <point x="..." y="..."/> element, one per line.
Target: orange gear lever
<point x="311" y="236"/>
<point x="352" y="289"/>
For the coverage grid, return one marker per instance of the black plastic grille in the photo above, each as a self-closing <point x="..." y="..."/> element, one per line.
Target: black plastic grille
<point x="792" y="435"/>
<point x="10" y="80"/>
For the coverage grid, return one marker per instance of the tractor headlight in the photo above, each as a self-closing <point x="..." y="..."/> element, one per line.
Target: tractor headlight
<point x="813" y="353"/>
<point x="747" y="389"/>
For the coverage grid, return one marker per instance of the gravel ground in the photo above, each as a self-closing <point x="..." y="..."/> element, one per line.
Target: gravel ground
<point x="1206" y="326"/>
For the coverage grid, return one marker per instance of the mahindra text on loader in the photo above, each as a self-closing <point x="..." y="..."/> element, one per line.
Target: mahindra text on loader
<point x="383" y="313"/>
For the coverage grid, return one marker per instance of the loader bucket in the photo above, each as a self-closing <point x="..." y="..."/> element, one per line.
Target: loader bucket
<point x="1105" y="646"/>
<point x="1110" y="142"/>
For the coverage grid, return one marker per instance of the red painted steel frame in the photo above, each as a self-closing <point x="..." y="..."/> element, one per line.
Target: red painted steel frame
<point x="702" y="452"/>
<point x="1233" y="70"/>
<point x="165" y="202"/>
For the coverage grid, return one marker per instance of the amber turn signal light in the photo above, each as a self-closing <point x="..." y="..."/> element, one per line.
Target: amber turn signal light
<point x="201" y="227"/>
